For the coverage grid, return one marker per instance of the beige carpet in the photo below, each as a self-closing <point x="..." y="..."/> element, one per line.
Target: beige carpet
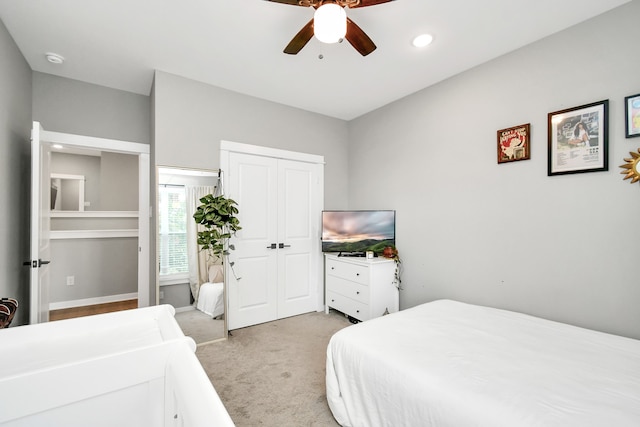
<point x="200" y="326"/>
<point x="274" y="374"/>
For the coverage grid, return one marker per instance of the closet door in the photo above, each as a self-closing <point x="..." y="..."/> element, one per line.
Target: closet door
<point x="277" y="251"/>
<point x="297" y="259"/>
<point x="253" y="185"/>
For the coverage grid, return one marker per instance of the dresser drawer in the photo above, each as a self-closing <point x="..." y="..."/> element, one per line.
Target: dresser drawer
<point x="348" y="306"/>
<point x="350" y="289"/>
<point x="345" y="270"/>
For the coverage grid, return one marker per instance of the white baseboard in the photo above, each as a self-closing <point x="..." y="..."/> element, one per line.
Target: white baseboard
<point x="91" y="301"/>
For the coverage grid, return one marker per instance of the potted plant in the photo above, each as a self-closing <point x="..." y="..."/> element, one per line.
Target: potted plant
<point x="218" y="216"/>
<point x="391" y="252"/>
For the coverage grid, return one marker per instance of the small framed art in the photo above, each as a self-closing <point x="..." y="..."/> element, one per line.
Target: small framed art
<point x="513" y="144"/>
<point x="578" y="139"/>
<point x="632" y="115"/>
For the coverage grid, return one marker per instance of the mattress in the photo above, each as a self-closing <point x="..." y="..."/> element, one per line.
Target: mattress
<point x="211" y="299"/>
<point x="447" y="363"/>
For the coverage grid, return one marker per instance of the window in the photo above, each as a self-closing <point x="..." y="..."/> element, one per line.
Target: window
<point x="172" y="219"/>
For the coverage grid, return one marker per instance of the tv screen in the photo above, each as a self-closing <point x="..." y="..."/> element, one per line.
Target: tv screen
<point x="358" y="231"/>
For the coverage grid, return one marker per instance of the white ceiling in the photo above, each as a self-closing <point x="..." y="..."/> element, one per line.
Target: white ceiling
<point x="237" y="44"/>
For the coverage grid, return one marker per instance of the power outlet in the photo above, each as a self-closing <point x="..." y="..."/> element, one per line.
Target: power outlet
<point x="161" y="294"/>
<point x="71" y="280"/>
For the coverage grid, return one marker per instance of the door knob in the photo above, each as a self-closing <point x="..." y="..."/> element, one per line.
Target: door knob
<point x="36" y="264"/>
<point x="282" y="245"/>
<point x="272" y="246"/>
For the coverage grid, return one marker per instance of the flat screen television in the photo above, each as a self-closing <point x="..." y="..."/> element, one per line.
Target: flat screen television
<point x="358" y="231"/>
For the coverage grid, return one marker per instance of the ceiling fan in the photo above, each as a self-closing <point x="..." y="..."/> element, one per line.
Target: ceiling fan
<point x="354" y="34"/>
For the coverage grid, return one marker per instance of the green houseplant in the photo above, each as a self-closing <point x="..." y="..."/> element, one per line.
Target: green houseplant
<point x="218" y="216"/>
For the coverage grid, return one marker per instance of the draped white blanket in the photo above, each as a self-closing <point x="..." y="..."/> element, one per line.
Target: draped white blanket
<point x="211" y="299"/>
<point x="447" y="363"/>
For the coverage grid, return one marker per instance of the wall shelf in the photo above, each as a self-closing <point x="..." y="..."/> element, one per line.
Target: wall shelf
<point x="92" y="234"/>
<point x="94" y="214"/>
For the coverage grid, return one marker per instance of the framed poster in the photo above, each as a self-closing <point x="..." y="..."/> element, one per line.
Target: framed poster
<point x="513" y="144"/>
<point x="578" y="139"/>
<point x="632" y="115"/>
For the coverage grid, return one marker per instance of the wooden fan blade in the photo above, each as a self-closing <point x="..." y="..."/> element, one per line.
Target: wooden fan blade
<point x="301" y="39"/>
<point x="292" y="2"/>
<point x="358" y="39"/>
<point x="365" y="3"/>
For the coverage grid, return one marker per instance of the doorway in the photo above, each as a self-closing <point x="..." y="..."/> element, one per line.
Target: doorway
<point x="125" y="232"/>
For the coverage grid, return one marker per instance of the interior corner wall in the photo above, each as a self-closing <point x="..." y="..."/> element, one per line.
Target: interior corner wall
<point x="191" y="118"/>
<point x="15" y="131"/>
<point x="507" y="235"/>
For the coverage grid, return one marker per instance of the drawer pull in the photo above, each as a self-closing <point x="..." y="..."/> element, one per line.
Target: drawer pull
<point x="333" y="300"/>
<point x="357" y="274"/>
<point x="333" y="268"/>
<point x="357" y="292"/>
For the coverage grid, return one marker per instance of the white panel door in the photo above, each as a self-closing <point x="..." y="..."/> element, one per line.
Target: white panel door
<point x="40" y="249"/>
<point x="277" y="252"/>
<point x="253" y="185"/>
<point x="298" y="215"/>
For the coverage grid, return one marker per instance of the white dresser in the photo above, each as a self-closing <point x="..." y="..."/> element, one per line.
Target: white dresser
<point x="359" y="287"/>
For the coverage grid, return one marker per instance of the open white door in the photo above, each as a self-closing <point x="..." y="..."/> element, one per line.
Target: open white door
<point x="40" y="249"/>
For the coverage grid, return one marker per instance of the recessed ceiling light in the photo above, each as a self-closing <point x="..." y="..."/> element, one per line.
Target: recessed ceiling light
<point x="423" y="40"/>
<point x="54" y="58"/>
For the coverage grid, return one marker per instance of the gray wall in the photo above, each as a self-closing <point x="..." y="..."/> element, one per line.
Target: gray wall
<point x="561" y="247"/>
<point x="100" y="267"/>
<point x="15" y="129"/>
<point x="71" y="106"/>
<point x="118" y="182"/>
<point x="191" y="118"/>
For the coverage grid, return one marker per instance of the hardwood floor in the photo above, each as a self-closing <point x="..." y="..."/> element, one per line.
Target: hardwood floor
<point x="88" y="310"/>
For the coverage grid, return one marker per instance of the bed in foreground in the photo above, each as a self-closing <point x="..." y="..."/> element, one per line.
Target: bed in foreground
<point x="447" y="363"/>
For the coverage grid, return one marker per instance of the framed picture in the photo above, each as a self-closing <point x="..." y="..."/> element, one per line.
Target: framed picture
<point x="578" y="139"/>
<point x="513" y="144"/>
<point x="632" y="115"/>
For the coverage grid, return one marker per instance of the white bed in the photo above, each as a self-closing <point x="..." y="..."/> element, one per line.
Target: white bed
<point x="210" y="295"/>
<point x="447" y="363"/>
<point x="211" y="299"/>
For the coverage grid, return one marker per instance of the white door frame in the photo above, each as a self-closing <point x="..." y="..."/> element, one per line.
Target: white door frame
<point x="227" y="147"/>
<point x="144" y="209"/>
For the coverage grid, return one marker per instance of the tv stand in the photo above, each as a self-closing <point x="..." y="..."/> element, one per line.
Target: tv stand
<point x="360" y="288"/>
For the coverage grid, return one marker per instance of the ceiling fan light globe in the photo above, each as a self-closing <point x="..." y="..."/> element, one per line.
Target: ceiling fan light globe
<point x="330" y="23"/>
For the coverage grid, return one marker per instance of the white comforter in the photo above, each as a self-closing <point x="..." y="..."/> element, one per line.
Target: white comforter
<point x="211" y="299"/>
<point x="447" y="363"/>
